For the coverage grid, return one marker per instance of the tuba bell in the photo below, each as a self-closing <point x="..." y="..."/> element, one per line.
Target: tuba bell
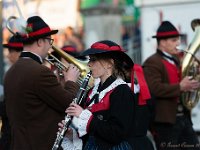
<point x="191" y="65"/>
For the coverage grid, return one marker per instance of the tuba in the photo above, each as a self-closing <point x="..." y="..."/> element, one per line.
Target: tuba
<point x="191" y="65"/>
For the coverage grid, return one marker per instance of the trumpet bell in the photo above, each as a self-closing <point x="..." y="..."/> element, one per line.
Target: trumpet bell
<point x="84" y="69"/>
<point x="81" y="65"/>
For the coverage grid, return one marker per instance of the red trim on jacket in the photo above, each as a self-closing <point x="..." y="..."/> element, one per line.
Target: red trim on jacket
<point x="104" y="104"/>
<point x="173" y="72"/>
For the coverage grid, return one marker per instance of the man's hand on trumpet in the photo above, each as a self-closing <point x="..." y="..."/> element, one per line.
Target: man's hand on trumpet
<point x="72" y="73"/>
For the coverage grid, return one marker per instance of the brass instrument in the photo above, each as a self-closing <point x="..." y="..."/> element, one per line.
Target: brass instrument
<point x="61" y="67"/>
<point x="55" y="62"/>
<point x="19" y="25"/>
<point x="191" y="65"/>
<point x="8" y="25"/>
<point x="82" y="66"/>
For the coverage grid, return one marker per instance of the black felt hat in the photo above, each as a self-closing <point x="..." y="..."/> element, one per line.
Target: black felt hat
<point x="14" y="43"/>
<point x="36" y="28"/>
<point x="106" y="47"/>
<point x="166" y="30"/>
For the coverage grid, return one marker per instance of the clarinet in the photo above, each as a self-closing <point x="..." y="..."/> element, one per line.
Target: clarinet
<point x="68" y="119"/>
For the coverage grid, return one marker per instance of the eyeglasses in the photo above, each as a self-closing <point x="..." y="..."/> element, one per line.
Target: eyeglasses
<point x="50" y="40"/>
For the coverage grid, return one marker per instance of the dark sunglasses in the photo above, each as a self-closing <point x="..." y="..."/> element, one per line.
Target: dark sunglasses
<point x="50" y="40"/>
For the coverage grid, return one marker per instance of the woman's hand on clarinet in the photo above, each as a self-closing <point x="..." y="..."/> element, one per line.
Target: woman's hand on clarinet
<point x="74" y="110"/>
<point x="69" y="132"/>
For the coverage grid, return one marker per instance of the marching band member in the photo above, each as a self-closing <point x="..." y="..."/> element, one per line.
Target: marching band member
<point x="172" y="127"/>
<point x="15" y="46"/>
<point x="107" y="117"/>
<point x="144" y="108"/>
<point x="35" y="101"/>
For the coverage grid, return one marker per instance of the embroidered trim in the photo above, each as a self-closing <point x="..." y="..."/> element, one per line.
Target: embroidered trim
<point x="80" y="123"/>
<point x="117" y="82"/>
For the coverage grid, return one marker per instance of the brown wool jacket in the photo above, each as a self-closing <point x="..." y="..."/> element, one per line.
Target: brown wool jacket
<point x="35" y="103"/>
<point x="165" y="94"/>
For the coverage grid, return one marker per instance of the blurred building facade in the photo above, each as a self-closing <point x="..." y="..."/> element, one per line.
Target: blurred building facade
<point x="123" y="26"/>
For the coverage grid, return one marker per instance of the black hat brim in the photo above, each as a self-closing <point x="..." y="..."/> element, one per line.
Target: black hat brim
<point x="122" y="54"/>
<point x="12" y="47"/>
<point x="92" y="51"/>
<point x="6" y="46"/>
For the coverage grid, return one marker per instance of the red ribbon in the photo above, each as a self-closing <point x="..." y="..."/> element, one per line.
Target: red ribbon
<point x="102" y="46"/>
<point x="144" y="94"/>
<point x="15" y="44"/>
<point x="39" y="32"/>
<point x="167" y="33"/>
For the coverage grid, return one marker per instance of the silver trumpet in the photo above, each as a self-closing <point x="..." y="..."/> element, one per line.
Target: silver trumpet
<point x="68" y="119"/>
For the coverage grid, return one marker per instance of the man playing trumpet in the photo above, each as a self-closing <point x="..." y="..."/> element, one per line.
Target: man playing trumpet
<point x="35" y="101"/>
